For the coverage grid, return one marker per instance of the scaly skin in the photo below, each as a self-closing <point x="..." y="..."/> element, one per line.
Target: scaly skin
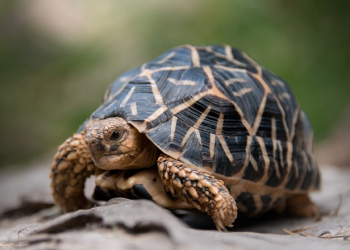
<point x="201" y="190"/>
<point x="300" y="205"/>
<point x="71" y="167"/>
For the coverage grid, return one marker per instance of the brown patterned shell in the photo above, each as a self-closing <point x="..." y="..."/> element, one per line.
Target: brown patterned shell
<point x="213" y="107"/>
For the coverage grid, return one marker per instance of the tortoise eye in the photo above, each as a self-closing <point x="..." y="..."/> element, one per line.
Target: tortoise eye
<point x="116" y="135"/>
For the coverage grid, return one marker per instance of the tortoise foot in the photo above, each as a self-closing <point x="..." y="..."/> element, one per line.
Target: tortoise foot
<point x="300" y="205"/>
<point x="71" y="167"/>
<point x="200" y="189"/>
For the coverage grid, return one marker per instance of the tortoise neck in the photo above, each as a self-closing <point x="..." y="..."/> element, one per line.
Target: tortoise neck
<point x="148" y="156"/>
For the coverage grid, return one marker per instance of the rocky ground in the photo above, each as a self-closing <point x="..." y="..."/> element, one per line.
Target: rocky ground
<point x="29" y="220"/>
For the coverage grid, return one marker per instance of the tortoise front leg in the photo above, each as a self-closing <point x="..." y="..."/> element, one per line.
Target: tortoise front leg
<point x="71" y="167"/>
<point x="200" y="189"/>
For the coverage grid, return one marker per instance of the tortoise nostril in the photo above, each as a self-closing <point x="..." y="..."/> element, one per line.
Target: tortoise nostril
<point x="92" y="140"/>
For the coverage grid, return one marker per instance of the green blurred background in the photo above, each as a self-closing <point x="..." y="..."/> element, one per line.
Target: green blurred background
<point x="57" y="57"/>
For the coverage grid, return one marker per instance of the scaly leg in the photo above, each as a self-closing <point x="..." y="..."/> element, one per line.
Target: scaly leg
<point x="200" y="189"/>
<point x="136" y="184"/>
<point x="300" y="205"/>
<point x="71" y="167"/>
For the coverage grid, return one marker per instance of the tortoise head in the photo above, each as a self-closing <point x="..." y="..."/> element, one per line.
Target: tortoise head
<point x="114" y="144"/>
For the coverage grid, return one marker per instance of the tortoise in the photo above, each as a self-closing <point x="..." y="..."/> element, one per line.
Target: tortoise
<point x="200" y="127"/>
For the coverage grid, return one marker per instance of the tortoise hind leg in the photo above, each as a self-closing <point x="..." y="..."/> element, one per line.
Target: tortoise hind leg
<point x="71" y="167"/>
<point x="135" y="184"/>
<point x="300" y="205"/>
<point x="200" y="189"/>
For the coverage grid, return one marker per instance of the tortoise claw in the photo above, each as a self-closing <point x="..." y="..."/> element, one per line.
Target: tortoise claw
<point x="219" y="226"/>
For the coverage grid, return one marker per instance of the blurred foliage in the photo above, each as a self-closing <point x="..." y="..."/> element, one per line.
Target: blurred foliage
<point x="57" y="57"/>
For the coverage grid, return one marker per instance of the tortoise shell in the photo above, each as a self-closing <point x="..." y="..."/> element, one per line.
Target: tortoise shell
<point x="213" y="107"/>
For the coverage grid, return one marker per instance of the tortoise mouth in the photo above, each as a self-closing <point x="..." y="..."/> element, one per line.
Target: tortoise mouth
<point x="117" y="161"/>
<point x="109" y="161"/>
<point x="112" y="153"/>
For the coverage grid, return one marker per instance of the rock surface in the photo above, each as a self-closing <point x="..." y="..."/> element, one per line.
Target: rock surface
<point x="29" y="220"/>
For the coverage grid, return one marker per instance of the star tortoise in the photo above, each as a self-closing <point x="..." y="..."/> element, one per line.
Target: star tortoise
<point x="202" y="128"/>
